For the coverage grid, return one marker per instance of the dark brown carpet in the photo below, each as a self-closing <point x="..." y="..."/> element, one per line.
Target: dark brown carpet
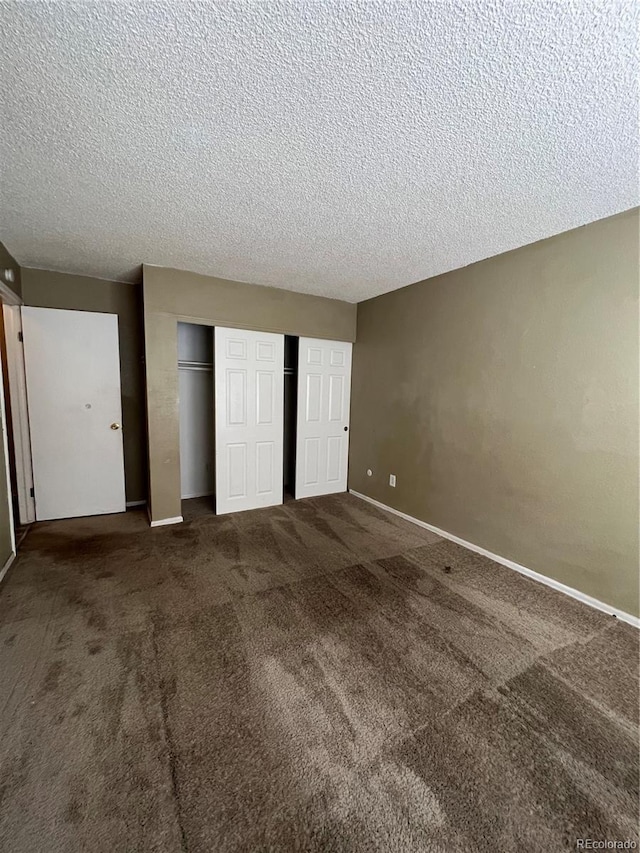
<point x="322" y="676"/>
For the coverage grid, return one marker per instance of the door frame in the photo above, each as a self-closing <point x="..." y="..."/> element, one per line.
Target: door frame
<point x="19" y="412"/>
<point x="12" y="531"/>
<point x="8" y="298"/>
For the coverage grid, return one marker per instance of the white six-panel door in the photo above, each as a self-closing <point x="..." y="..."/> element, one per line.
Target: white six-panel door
<point x="324" y="393"/>
<point x="72" y="369"/>
<point x="249" y="404"/>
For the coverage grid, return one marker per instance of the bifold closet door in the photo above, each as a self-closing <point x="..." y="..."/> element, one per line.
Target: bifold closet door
<point x="324" y="394"/>
<point x="249" y="416"/>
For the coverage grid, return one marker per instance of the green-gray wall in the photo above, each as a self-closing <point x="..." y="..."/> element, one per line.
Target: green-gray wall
<point x="7" y="261"/>
<point x="504" y="396"/>
<point x="47" y="289"/>
<point x="172" y="295"/>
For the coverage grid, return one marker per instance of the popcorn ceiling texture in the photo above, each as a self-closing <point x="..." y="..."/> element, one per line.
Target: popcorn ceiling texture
<point x="339" y="148"/>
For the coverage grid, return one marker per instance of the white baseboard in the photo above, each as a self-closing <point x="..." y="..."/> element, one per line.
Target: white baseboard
<point x="523" y="570"/>
<point x="130" y="504"/>
<point x="196" y="495"/>
<point x="177" y="519"/>
<point x="7" y="565"/>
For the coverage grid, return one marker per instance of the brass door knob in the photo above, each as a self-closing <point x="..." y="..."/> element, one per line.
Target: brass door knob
<point x="115" y="426"/>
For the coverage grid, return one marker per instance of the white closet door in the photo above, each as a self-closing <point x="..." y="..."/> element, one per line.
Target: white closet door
<point x="73" y="389"/>
<point x="324" y="393"/>
<point x="249" y="397"/>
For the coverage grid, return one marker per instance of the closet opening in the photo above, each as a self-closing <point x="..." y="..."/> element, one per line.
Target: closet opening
<point x="290" y="415"/>
<point x="197" y="433"/>
<point x="242" y="424"/>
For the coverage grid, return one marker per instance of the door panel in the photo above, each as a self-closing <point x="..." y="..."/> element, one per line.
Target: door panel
<point x="336" y="398"/>
<point x="313" y="397"/>
<point x="249" y="394"/>
<point x="72" y="367"/>
<point x="237" y="473"/>
<point x="265" y="397"/>
<point x="334" y="457"/>
<point x="324" y="389"/>
<point x="264" y="466"/>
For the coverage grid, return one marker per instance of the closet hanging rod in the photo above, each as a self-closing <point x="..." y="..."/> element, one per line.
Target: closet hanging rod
<point x="185" y="363"/>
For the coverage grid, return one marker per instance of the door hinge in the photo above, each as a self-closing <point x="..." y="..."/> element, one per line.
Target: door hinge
<point x="20" y="338"/>
<point x="32" y="492"/>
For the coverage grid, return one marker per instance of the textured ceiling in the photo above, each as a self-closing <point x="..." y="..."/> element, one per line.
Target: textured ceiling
<point x="338" y="148"/>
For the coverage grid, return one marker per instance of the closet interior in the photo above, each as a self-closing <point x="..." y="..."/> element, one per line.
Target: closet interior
<point x="195" y="395"/>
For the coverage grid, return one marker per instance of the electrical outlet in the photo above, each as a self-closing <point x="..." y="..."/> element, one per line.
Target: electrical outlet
<point x="392" y="480"/>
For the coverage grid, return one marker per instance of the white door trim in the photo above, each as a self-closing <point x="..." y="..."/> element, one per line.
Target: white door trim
<point x="19" y="412"/>
<point x="5" y="445"/>
<point x="523" y="570"/>
<point x="7" y="565"/>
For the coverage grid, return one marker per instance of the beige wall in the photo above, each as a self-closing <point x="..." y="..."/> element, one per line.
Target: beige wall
<point x="504" y="396"/>
<point x="47" y="289"/>
<point x="172" y="295"/>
